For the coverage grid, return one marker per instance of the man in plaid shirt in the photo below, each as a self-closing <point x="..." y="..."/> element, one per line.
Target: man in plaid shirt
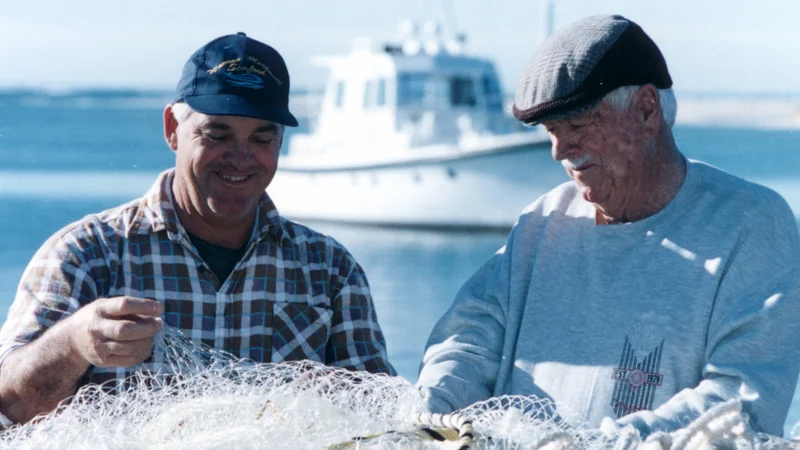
<point x="204" y="251"/>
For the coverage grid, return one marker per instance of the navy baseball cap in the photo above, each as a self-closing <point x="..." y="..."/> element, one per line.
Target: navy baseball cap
<point x="235" y="75"/>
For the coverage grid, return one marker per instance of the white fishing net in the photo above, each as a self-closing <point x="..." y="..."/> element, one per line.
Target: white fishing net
<point x="217" y="401"/>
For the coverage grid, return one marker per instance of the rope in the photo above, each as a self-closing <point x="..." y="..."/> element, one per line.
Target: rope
<point x="457" y="422"/>
<point x="560" y="440"/>
<point x="434" y="427"/>
<point x="717" y="424"/>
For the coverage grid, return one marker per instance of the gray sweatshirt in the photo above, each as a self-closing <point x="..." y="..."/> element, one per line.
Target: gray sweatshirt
<point x="648" y="323"/>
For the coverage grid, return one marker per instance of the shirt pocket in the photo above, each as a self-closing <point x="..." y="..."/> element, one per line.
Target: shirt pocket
<point x="300" y="331"/>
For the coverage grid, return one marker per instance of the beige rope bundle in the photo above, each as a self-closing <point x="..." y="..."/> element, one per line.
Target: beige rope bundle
<point x="431" y="427"/>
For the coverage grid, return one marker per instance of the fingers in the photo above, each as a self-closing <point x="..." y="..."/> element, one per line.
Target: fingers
<point x="118" y="361"/>
<point x="125" y="354"/>
<point x="116" y="307"/>
<point x="116" y="332"/>
<point x="130" y="329"/>
<point x="121" y="343"/>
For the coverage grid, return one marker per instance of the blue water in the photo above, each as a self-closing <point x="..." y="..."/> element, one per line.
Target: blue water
<point x="414" y="275"/>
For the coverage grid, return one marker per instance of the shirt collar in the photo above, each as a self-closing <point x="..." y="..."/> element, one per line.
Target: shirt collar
<point x="157" y="213"/>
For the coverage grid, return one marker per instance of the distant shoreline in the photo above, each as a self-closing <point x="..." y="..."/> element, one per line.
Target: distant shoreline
<point x="300" y="90"/>
<point x="772" y="110"/>
<point x="752" y="112"/>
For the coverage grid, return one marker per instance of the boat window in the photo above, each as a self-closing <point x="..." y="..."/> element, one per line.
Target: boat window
<point x="340" y="93"/>
<point x="375" y="93"/>
<point x="421" y="89"/>
<point x="462" y="91"/>
<point x="491" y="90"/>
<point x="369" y="94"/>
<point x="381" y="100"/>
<point x="411" y="89"/>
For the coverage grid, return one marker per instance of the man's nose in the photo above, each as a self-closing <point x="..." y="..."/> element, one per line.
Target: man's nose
<point x="241" y="147"/>
<point x="240" y="151"/>
<point x="562" y="147"/>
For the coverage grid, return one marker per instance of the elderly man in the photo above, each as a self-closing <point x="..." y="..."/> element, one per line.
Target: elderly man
<point x="204" y="251"/>
<point x="646" y="290"/>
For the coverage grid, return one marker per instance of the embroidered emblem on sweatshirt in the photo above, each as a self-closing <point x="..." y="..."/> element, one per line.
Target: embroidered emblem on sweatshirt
<point x="636" y="379"/>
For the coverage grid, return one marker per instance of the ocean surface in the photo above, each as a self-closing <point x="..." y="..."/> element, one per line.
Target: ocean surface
<point x="61" y="159"/>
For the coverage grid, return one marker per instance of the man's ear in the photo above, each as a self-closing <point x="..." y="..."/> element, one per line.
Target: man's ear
<point x="170" y="128"/>
<point x="647" y="106"/>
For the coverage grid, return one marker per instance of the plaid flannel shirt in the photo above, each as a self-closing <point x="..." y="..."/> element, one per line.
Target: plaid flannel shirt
<point x="295" y="294"/>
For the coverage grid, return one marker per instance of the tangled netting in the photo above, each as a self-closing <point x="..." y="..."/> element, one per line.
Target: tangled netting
<point x="213" y="400"/>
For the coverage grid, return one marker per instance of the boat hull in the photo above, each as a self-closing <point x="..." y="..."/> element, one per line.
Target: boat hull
<point x="485" y="190"/>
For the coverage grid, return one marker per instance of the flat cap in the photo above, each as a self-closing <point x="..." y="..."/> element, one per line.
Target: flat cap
<point x="581" y="63"/>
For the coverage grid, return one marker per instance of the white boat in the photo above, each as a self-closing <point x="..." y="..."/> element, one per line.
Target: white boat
<point x="414" y="135"/>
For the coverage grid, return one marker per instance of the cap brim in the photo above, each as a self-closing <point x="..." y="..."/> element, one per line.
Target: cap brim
<point x="565" y="110"/>
<point x="234" y="105"/>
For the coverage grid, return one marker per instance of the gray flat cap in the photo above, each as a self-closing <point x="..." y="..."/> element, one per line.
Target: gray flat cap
<point x="581" y="63"/>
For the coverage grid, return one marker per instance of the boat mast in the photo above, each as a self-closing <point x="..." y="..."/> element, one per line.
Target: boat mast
<point x="450" y="17"/>
<point x="548" y="13"/>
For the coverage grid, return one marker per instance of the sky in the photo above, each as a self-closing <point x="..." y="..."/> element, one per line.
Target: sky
<point x="711" y="46"/>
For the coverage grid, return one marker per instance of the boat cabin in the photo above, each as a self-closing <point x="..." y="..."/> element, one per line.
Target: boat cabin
<point x="418" y="93"/>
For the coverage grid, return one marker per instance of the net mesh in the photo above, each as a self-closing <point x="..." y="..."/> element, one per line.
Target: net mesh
<point x="209" y="399"/>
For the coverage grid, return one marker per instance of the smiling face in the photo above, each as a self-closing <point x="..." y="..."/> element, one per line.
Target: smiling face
<point x="223" y="165"/>
<point x="609" y="154"/>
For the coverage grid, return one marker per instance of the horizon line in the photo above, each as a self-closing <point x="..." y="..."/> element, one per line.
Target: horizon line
<point x="157" y="91"/>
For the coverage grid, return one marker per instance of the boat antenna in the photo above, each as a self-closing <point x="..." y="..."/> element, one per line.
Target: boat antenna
<point x="548" y="18"/>
<point x="450" y="17"/>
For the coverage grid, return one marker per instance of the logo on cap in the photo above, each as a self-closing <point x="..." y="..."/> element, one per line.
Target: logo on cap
<point x="247" y="80"/>
<point x="245" y="73"/>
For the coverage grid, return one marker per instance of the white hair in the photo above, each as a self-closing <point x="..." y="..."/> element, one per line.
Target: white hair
<point x="621" y="98"/>
<point x="181" y="111"/>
